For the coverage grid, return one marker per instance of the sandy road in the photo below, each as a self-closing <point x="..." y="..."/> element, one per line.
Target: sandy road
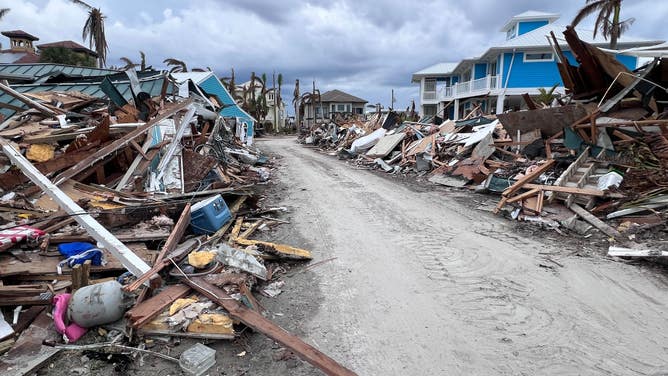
<point x="424" y="286"/>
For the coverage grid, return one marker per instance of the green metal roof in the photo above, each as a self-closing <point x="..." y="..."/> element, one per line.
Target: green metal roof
<point x="34" y="71"/>
<point x="151" y="84"/>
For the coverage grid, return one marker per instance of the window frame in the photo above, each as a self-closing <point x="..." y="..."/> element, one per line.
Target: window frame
<point x="543" y="60"/>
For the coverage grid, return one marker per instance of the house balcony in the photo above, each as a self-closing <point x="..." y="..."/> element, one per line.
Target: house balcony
<point x="471" y="88"/>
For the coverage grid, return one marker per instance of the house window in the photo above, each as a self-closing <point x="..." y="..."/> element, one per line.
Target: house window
<point x="271" y="96"/>
<point x="538" y="56"/>
<point x="430" y="85"/>
<point x="358" y="110"/>
<point x="510" y="34"/>
<point x="348" y="108"/>
<point x="340" y="107"/>
<point x="429" y="109"/>
<point x="333" y="108"/>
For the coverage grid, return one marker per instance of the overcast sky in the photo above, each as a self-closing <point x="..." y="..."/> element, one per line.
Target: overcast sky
<point x="366" y="48"/>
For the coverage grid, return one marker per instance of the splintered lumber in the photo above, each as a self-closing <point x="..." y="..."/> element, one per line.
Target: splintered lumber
<point x="261" y="324"/>
<point x="169" y="247"/>
<point x="528" y="178"/>
<point x="629" y="252"/>
<point x="145" y="311"/>
<point x="594" y="221"/>
<point x="278" y="250"/>
<point x="129" y="259"/>
<point x="118" y="144"/>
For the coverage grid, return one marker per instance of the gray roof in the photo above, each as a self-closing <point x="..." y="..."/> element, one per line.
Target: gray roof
<point x="151" y="84"/>
<point x="340" y="96"/>
<point x="438" y="69"/>
<point x="33" y="71"/>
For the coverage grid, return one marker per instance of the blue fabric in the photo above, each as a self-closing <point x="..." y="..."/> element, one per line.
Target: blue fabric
<point x="71" y="249"/>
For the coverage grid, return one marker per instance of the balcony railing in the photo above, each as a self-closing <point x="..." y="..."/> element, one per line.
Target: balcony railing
<point x="466" y="88"/>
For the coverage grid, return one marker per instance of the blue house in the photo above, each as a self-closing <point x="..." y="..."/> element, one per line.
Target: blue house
<point x="523" y="63"/>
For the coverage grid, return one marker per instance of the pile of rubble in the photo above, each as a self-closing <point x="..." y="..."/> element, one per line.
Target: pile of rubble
<point x="128" y="215"/>
<point x="596" y="158"/>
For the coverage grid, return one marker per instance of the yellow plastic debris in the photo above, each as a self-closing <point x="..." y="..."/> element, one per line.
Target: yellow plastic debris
<point x="180" y="304"/>
<point x="41" y="152"/>
<point x="200" y="259"/>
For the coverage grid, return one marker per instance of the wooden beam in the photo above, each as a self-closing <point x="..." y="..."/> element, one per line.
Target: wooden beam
<point x="594" y="221"/>
<point x="261" y="324"/>
<point x="118" y="144"/>
<point x="129" y="259"/>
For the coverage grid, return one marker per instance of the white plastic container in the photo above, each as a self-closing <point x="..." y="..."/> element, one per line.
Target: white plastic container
<point x="197" y="360"/>
<point x="97" y="304"/>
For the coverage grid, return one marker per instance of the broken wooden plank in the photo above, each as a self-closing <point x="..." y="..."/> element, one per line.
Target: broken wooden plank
<point x="261" y="324"/>
<point x="594" y="221"/>
<point x="145" y="311"/>
<point x="129" y="259"/>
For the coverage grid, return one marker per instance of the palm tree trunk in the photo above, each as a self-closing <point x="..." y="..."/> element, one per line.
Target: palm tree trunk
<point x="616" y="27"/>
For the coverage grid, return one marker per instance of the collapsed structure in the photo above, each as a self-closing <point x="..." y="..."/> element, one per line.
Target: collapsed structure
<point x="132" y="196"/>
<point x="594" y="158"/>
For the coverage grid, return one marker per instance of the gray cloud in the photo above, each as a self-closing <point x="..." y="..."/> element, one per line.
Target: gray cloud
<point x="366" y="48"/>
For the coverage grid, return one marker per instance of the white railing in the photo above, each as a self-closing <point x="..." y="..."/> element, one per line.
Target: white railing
<point x="461" y="89"/>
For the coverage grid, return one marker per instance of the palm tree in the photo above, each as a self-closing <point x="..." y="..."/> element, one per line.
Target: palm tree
<point x="279" y="82"/>
<point x="176" y="64"/>
<point x="93" y="30"/>
<point x="3" y="12"/>
<point x="142" y="64"/>
<point x="607" y="20"/>
<point x="546" y="96"/>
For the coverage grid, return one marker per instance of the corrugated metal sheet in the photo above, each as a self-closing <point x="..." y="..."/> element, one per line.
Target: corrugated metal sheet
<point x="152" y="85"/>
<point x="213" y="86"/>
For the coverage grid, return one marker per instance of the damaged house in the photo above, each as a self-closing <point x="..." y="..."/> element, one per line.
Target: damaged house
<point x="523" y="63"/>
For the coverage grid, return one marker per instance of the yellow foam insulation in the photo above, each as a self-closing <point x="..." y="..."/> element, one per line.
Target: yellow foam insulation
<point x="180" y="304"/>
<point x="214" y="323"/>
<point x="41" y="152"/>
<point x="200" y="259"/>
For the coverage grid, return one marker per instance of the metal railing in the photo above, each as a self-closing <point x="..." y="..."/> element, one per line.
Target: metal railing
<point x="469" y="87"/>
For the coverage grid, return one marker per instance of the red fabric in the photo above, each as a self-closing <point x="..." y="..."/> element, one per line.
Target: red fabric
<point x="18" y="234"/>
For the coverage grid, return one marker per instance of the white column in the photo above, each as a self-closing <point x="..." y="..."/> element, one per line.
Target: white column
<point x="499" y="103"/>
<point x="456" y="114"/>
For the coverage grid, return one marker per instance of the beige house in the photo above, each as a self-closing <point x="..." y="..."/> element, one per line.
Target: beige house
<point x="276" y="111"/>
<point x="332" y="103"/>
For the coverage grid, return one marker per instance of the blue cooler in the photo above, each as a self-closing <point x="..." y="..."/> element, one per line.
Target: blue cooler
<point x="208" y="216"/>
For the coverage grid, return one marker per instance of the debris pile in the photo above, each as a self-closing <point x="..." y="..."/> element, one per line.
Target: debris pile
<point x="596" y="158"/>
<point x="128" y="207"/>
